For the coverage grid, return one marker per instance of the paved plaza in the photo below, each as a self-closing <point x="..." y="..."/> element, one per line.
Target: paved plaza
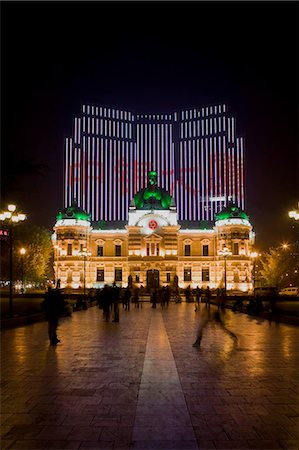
<point x="141" y="384"/>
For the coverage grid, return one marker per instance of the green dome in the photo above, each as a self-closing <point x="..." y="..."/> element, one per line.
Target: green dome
<point x="232" y="211"/>
<point x="73" y="212"/>
<point x="152" y="197"/>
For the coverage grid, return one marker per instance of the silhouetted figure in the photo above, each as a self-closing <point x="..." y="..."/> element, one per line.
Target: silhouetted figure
<point x="154" y="298"/>
<point x="198" y="293"/>
<point x="188" y="293"/>
<point x="127" y="298"/>
<point x="53" y="305"/>
<point x="106" y="302"/>
<point x="208" y="297"/>
<point x="135" y="297"/>
<point x="115" y="294"/>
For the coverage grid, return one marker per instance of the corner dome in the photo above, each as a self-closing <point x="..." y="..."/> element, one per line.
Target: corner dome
<point x="153" y="197"/>
<point x="231" y="211"/>
<point x="73" y="212"/>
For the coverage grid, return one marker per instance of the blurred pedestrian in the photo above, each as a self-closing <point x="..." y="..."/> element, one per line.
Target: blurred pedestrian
<point x="115" y="294"/>
<point x="127" y="298"/>
<point x="198" y="293"/>
<point x="154" y="298"/>
<point x="208" y="297"/>
<point x="106" y="302"/>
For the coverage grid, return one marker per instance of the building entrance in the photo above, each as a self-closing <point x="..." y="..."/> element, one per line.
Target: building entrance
<point x="152" y="279"/>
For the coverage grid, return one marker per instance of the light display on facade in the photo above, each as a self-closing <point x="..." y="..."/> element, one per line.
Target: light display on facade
<point x="153" y="239"/>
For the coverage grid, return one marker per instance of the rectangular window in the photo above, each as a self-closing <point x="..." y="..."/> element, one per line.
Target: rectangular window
<point x="69" y="249"/>
<point x="118" y="250"/>
<point x="81" y="248"/>
<point x="235" y="248"/>
<point x="158" y="250"/>
<point x="147" y="249"/>
<point x="205" y="274"/>
<point x="118" y="274"/>
<point x="168" y="277"/>
<point x="100" y="274"/>
<point x="187" y="250"/>
<point x="205" y="250"/>
<point x="100" y="250"/>
<point x="152" y="249"/>
<point x="187" y="274"/>
<point x="137" y="279"/>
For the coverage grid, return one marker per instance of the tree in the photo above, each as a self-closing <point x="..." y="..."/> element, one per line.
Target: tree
<point x="277" y="264"/>
<point x="38" y="259"/>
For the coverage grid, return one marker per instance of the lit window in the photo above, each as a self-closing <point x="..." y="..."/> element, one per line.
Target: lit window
<point x="187" y="274"/>
<point x="100" y="274"/>
<point x="118" y="274"/>
<point x="205" y="273"/>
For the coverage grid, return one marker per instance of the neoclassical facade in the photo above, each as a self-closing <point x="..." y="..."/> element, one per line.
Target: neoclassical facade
<point x="153" y="248"/>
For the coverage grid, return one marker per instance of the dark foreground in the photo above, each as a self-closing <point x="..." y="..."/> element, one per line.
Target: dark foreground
<point x="141" y="384"/>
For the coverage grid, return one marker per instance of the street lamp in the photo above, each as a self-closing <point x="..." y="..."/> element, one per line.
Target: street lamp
<point x="253" y="255"/>
<point x="22" y="253"/>
<point x="225" y="252"/>
<point x="11" y="217"/>
<point x="56" y="260"/>
<point x="84" y="253"/>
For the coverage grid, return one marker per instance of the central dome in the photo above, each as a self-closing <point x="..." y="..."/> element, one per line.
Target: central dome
<point x="152" y="197"/>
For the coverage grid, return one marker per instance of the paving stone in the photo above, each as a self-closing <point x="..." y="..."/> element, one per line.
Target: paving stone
<point x="107" y="383"/>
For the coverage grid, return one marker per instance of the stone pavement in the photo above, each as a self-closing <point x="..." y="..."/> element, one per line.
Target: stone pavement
<point x="141" y="384"/>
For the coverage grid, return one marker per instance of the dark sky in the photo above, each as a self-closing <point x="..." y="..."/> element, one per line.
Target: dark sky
<point x="152" y="57"/>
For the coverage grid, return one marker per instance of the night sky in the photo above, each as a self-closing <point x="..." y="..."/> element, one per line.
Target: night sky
<point x="152" y="57"/>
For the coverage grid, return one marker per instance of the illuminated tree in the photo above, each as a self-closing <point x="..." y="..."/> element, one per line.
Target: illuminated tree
<point x="277" y="267"/>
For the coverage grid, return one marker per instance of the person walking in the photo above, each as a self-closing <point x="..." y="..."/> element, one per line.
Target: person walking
<point x="208" y="297"/>
<point x="154" y="298"/>
<point x="188" y="293"/>
<point x="115" y="300"/>
<point x="53" y="305"/>
<point x="106" y="302"/>
<point x="127" y="298"/>
<point x="198" y="294"/>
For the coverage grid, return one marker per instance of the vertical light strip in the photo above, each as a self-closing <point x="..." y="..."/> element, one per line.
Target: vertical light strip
<point x="123" y="178"/>
<point x="161" y="179"/>
<point x="202" y="193"/>
<point x="105" y="184"/>
<point x="114" y="174"/>
<point x="229" y="172"/>
<point x="79" y="178"/>
<point x="66" y="171"/>
<point x="211" y="178"/>
<point x="216" y="178"/>
<point x="120" y="192"/>
<point x="97" y="179"/>
<point x="166" y="159"/>
<point x="160" y="149"/>
<point x="110" y="175"/>
<point x="224" y="169"/>
<point x="88" y="175"/>
<point x="70" y="172"/>
<point x="242" y="175"/>
<point x="233" y="174"/>
<point x="220" y="171"/>
<point x="102" y="180"/>
<point x="207" y="180"/>
<point x="141" y="153"/>
<point x="238" y="173"/>
<point x="189" y="180"/>
<point x="92" y="180"/>
<point x="194" y="183"/>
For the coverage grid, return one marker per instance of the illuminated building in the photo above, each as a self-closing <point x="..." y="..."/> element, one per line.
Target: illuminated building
<point x="197" y="154"/>
<point x="153" y="246"/>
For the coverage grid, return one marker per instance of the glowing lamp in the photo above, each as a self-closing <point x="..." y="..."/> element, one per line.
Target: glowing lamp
<point x="11" y="208"/>
<point x="22" y="251"/>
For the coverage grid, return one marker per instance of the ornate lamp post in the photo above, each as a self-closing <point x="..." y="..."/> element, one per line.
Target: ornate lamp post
<point x="84" y="253"/>
<point x="253" y="255"/>
<point x="11" y="217"/>
<point x="225" y="252"/>
<point x="22" y="253"/>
